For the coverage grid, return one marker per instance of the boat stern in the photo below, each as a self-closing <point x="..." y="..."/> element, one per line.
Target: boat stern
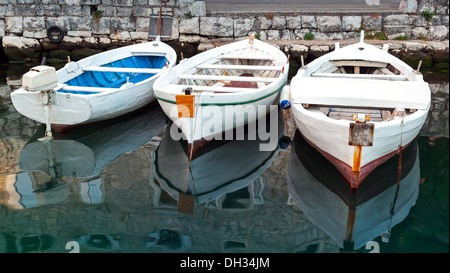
<point x="65" y="109"/>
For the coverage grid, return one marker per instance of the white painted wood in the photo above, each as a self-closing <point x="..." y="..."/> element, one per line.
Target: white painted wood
<point x="384" y="90"/>
<point x="88" y="89"/>
<point x="123" y="69"/>
<point x="247" y="57"/>
<point x="227" y="57"/>
<point x="362" y="93"/>
<point x="226" y="78"/>
<point x="240" y="67"/>
<point x="361" y="76"/>
<point x="359" y="63"/>
<point x="213" y="88"/>
<point x="75" y="109"/>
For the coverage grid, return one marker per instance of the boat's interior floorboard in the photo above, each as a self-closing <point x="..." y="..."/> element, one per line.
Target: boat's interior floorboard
<point x="343" y="113"/>
<point x="231" y="67"/>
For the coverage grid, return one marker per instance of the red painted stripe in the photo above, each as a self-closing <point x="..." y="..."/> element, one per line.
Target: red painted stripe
<point x="346" y="170"/>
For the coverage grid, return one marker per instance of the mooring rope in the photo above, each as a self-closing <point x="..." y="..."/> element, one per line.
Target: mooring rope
<point x="399" y="173"/>
<point x="192" y="145"/>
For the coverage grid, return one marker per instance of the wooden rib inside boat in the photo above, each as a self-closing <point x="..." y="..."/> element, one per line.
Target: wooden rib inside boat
<point x="252" y="68"/>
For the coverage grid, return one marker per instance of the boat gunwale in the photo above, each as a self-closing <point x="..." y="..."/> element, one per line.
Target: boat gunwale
<point x="161" y="91"/>
<point x="163" y="50"/>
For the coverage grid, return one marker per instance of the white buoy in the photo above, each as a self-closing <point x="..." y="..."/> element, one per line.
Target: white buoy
<point x="285" y="97"/>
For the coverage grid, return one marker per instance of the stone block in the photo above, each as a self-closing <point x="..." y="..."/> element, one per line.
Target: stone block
<point x="397" y="29"/>
<point x="140" y="2"/>
<point x="396" y="20"/>
<point x="264" y="22"/>
<point x="198" y="8"/>
<point x="123" y="3"/>
<point x="108" y="11"/>
<point x="273" y="34"/>
<point x="192" y="38"/>
<point x="413" y="46"/>
<point x="124" y="24"/>
<point x="444" y="20"/>
<point x="417" y="21"/>
<point x="32" y="23"/>
<point x="372" y="23"/>
<point x="190" y="26"/>
<point x="279" y="22"/>
<point x="175" y="29"/>
<point x="46" y="10"/>
<point x="409" y="6"/>
<point x="300" y="33"/>
<point x="142" y="11"/>
<point x="27" y="10"/>
<point x="242" y="27"/>
<point x="20" y="48"/>
<point x="83" y="33"/>
<point x="216" y="26"/>
<point x="435" y="20"/>
<point x="327" y="24"/>
<point x="90" y="2"/>
<point x="351" y="23"/>
<point x="37" y="34"/>
<point x="123" y="11"/>
<point x="317" y="51"/>
<point x="309" y="22"/>
<point x="439" y="33"/>
<point x="205" y="46"/>
<point x="14" y="24"/>
<point x="134" y="35"/>
<point x="143" y="24"/>
<point x="298" y="50"/>
<point x="71" y="10"/>
<point x="294" y="22"/>
<point x="62" y="21"/>
<point x="102" y="26"/>
<point x="419" y="33"/>
<point x="120" y="36"/>
<point x="2" y="28"/>
<point x="6" y="10"/>
<point x="80" y="23"/>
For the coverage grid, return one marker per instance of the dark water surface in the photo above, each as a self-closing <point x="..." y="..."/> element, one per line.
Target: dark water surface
<point x="124" y="186"/>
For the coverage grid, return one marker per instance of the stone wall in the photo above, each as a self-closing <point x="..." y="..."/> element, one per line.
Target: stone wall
<point x="23" y="24"/>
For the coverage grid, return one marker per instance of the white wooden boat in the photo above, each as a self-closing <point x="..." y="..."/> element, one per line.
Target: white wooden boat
<point x="236" y="77"/>
<point x="334" y="97"/>
<point x="99" y="87"/>
<point x="352" y="219"/>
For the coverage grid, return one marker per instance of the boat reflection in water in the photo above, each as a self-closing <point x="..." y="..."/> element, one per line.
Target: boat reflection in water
<point x="79" y="156"/>
<point x="352" y="219"/>
<point x="239" y="198"/>
<point x="218" y="173"/>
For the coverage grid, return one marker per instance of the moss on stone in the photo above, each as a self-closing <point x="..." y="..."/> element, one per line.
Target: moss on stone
<point x="78" y="54"/>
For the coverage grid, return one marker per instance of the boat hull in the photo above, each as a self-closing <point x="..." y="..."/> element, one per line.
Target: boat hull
<point x="68" y="110"/>
<point x="99" y="87"/>
<point x="212" y="120"/>
<point x="330" y="138"/>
